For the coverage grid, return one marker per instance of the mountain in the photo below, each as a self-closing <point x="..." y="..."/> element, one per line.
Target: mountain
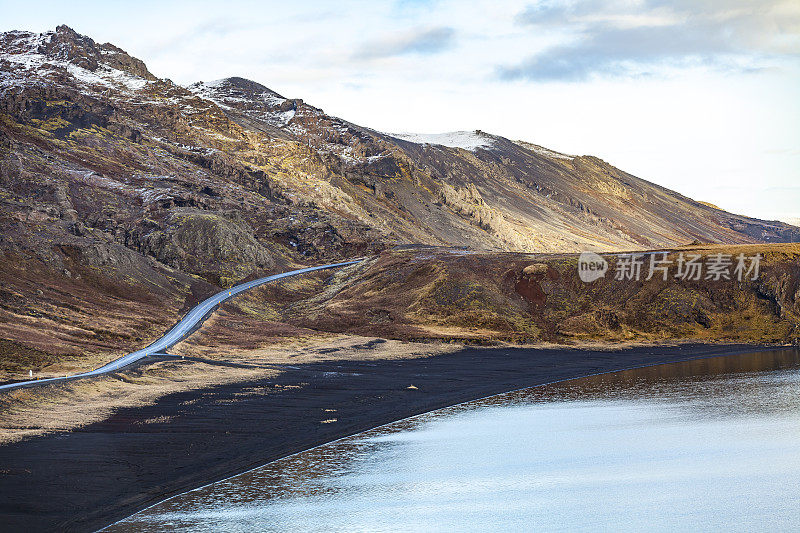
<point x="235" y="144"/>
<point x="120" y="189"/>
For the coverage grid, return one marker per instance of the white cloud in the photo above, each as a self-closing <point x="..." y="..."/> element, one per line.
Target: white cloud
<point x="416" y="41"/>
<point x="611" y="39"/>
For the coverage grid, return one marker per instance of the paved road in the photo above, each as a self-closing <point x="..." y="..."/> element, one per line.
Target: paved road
<point x="180" y="330"/>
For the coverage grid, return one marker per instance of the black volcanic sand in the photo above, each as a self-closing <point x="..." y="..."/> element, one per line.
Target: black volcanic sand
<point x="90" y="477"/>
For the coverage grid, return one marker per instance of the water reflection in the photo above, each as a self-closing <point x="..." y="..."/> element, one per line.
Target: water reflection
<point x="734" y="385"/>
<point x="701" y="445"/>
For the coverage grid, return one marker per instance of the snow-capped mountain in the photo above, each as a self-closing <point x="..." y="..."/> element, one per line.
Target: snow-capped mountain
<point x="96" y="149"/>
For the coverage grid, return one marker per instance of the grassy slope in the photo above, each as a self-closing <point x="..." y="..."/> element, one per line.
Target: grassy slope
<point x="441" y="294"/>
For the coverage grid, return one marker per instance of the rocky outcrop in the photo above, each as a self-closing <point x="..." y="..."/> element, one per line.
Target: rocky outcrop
<point x="68" y="45"/>
<point x="220" y="250"/>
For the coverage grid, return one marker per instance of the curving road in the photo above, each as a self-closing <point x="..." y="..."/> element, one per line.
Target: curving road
<point x="180" y="330"/>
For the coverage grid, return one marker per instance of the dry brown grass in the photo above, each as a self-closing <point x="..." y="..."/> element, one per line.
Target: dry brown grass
<point x="54" y="324"/>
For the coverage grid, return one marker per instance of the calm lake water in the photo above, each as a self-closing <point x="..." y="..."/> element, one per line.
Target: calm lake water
<point x="706" y="445"/>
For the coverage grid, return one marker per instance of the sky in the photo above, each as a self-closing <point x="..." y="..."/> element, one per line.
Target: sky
<point x="700" y="96"/>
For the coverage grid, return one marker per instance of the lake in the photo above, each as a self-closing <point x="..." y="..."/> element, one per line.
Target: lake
<point x="705" y="445"/>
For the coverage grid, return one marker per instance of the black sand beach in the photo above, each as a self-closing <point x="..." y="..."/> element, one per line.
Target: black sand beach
<point x="90" y="477"/>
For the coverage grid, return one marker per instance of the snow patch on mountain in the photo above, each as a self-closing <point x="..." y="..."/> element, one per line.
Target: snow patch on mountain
<point x="26" y="63"/>
<point x="468" y="140"/>
<point x="541" y="150"/>
<point x="550" y="153"/>
<point x="269" y="106"/>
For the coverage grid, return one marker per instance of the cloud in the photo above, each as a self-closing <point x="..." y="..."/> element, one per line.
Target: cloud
<point x="609" y="50"/>
<point x="553" y="11"/>
<point x="618" y="41"/>
<point x="420" y="41"/>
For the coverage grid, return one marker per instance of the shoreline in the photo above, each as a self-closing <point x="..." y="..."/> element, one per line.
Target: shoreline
<point x="93" y="476"/>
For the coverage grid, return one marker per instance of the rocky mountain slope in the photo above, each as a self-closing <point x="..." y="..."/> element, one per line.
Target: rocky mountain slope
<point x="119" y="186"/>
